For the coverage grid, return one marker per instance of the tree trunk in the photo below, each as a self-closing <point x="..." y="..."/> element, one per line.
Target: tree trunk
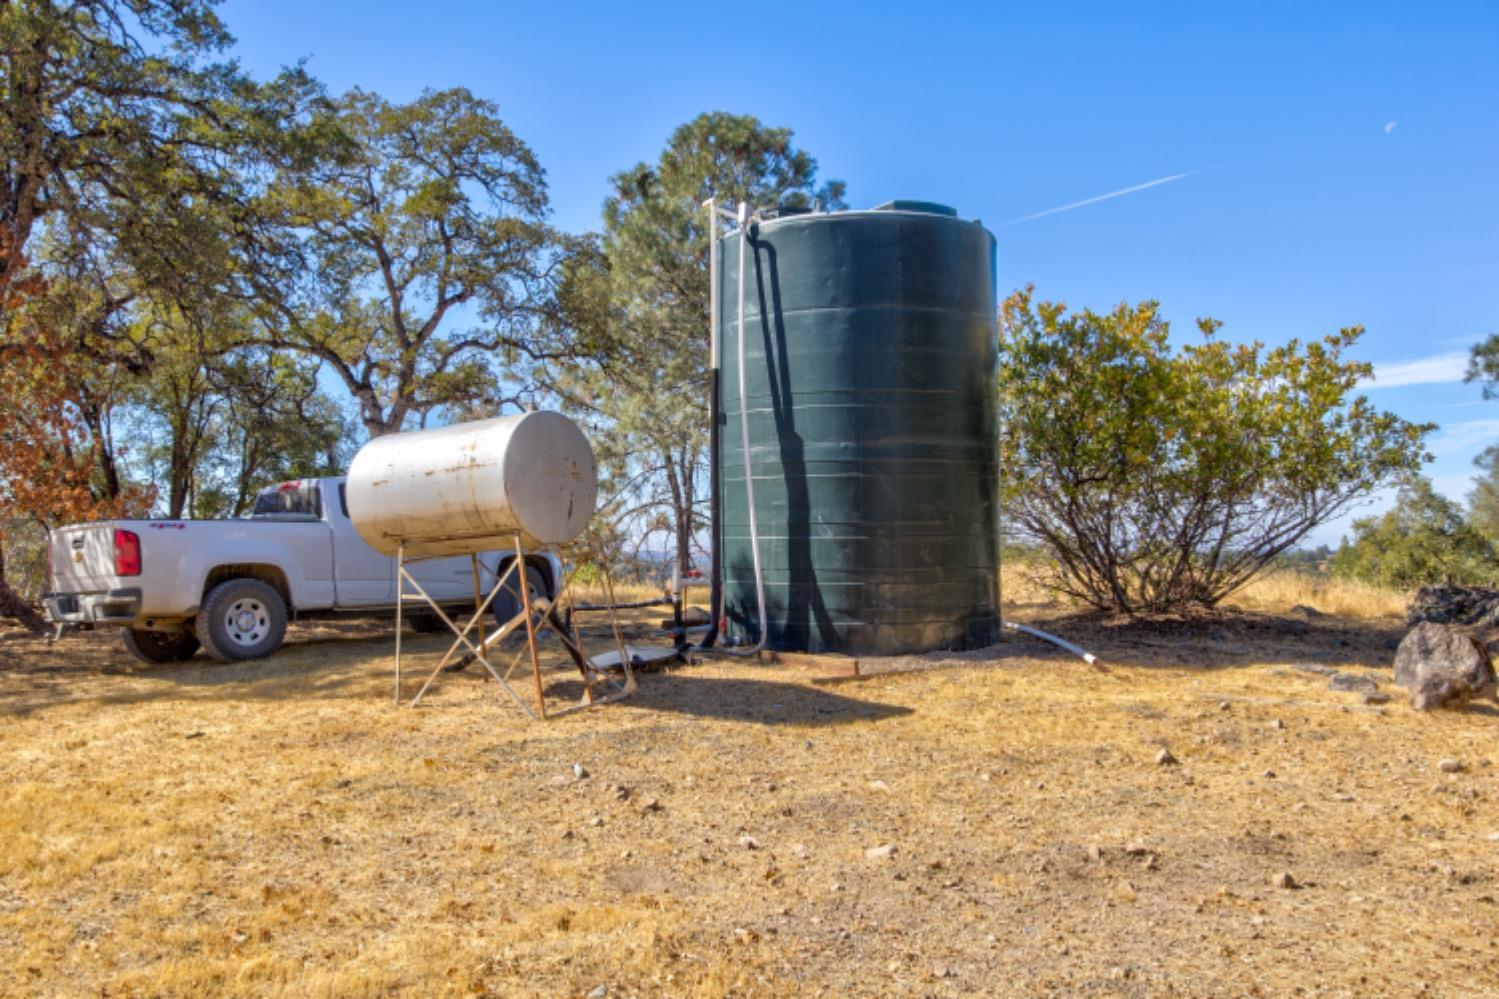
<point x="687" y="518"/>
<point x="179" y="477"/>
<point x="13" y="606"/>
<point x="681" y="514"/>
<point x="96" y="418"/>
<point x="249" y="467"/>
<point x="684" y="545"/>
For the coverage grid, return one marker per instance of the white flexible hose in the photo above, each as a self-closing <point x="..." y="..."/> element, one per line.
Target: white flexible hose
<point x="1087" y="657"/>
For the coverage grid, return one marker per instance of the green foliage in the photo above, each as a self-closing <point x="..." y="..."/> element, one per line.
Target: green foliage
<point x="1422" y="539"/>
<point x="1161" y="478"/>
<point x="637" y="302"/>
<point x="218" y="421"/>
<point x="1483" y="501"/>
<point x="23" y="552"/>
<point x="1483" y="365"/>
<point x="123" y="137"/>
<point x="420" y="218"/>
<point x="132" y="164"/>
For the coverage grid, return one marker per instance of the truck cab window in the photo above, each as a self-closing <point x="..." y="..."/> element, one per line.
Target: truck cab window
<point x="297" y="499"/>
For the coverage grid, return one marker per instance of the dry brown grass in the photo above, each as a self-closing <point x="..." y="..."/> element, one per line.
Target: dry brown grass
<point x="280" y="829"/>
<point x="1277" y="592"/>
<point x="629" y="592"/>
<point x="1272" y="593"/>
<point x="1019" y="586"/>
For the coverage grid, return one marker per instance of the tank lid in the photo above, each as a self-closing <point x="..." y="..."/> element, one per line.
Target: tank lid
<point x="925" y="207"/>
<point x="783" y="211"/>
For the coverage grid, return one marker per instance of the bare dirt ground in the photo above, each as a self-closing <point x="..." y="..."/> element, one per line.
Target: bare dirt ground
<point x="991" y="823"/>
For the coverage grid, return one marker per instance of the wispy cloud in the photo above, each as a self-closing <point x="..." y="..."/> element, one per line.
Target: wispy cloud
<point x="1101" y="197"/>
<point x="1439" y="369"/>
<point x="1468" y="436"/>
<point x="1390" y="126"/>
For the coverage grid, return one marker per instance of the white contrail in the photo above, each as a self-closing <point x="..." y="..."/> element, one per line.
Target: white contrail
<point x="1438" y="369"/>
<point x="1102" y="197"/>
<point x="1468" y="435"/>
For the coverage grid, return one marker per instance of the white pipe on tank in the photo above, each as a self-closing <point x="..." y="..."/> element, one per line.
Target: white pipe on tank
<point x="714" y="340"/>
<point x="744" y="437"/>
<point x="713" y="365"/>
<point x="715" y="442"/>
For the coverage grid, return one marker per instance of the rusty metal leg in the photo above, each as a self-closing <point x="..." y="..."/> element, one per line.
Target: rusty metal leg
<point x="479" y="602"/>
<point x="592" y="677"/>
<point x="567" y="632"/>
<point x="400" y="600"/>
<point x="477" y="653"/>
<point x="619" y="638"/>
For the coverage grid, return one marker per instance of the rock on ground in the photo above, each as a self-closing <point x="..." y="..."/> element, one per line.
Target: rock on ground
<point x="1440" y="664"/>
<point x="1350" y="681"/>
<point x="1318" y="668"/>
<point x="1473" y="606"/>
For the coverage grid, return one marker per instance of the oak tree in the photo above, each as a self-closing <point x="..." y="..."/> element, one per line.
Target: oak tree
<point x="425" y="255"/>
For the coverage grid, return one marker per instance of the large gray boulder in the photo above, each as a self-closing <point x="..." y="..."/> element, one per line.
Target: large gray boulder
<point x="1474" y="606"/>
<point x="1440" y="664"/>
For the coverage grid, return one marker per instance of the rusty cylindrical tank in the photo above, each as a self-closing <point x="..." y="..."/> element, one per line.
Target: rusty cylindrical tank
<point x="472" y="487"/>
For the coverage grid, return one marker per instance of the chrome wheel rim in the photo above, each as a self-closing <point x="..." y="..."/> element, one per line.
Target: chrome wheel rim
<point x="247" y="622"/>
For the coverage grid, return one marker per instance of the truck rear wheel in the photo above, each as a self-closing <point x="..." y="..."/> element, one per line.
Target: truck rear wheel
<point x="242" y="619"/>
<point x="507" y="602"/>
<point x="160" y="646"/>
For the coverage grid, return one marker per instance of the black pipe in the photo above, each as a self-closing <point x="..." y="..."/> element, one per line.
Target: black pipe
<point x="715" y="546"/>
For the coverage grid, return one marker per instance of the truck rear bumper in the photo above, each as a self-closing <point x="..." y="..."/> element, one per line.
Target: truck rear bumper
<point x="86" y="610"/>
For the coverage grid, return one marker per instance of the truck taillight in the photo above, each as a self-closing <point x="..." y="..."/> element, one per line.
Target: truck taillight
<point x="127" y="553"/>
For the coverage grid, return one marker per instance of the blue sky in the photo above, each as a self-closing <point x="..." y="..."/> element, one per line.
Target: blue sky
<point x="1334" y="164"/>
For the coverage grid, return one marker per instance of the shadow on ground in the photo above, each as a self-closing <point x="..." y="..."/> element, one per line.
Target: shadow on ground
<point x="1223" y="640"/>
<point x="763" y="702"/>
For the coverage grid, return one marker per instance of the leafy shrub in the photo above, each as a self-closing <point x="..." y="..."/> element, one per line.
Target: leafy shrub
<point x="1161" y="478"/>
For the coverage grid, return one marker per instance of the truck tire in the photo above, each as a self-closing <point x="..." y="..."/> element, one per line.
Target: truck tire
<point x="160" y="646"/>
<point x="507" y="602"/>
<point x="241" y="619"/>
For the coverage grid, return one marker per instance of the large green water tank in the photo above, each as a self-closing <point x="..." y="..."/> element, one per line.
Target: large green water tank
<point x="870" y="363"/>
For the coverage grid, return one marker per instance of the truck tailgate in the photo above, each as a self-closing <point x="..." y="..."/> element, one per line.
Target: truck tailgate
<point x="83" y="558"/>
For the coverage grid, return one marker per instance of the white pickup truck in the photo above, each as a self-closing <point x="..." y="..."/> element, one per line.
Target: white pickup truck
<point x="231" y="586"/>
